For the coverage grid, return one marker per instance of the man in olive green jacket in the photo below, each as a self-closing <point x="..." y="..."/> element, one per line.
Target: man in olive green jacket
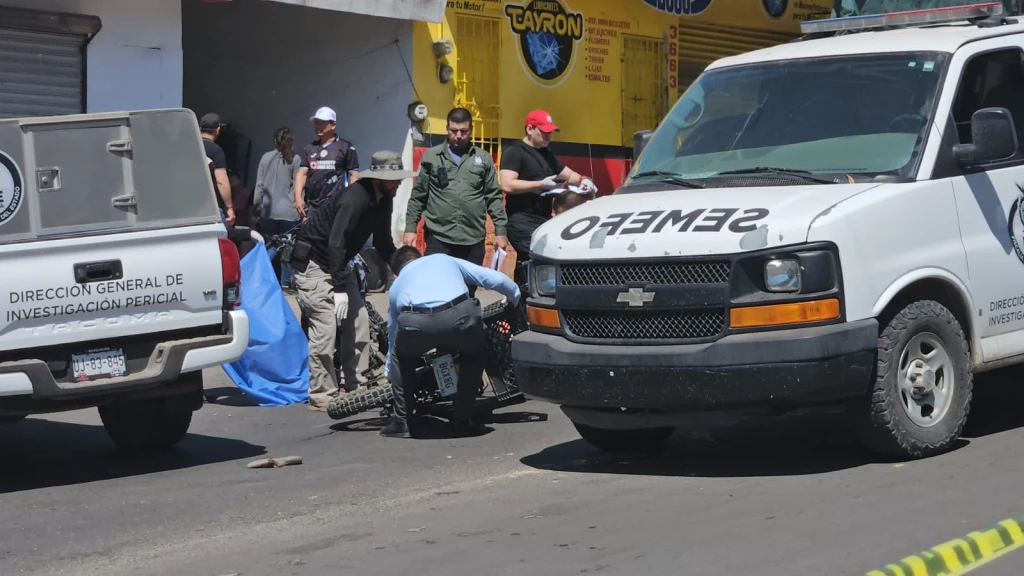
<point x="456" y="188"/>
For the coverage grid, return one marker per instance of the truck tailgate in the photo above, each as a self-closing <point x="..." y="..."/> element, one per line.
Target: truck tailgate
<point x="63" y="291"/>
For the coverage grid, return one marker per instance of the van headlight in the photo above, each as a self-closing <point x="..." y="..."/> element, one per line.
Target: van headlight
<point x="543" y="279"/>
<point x="782" y="275"/>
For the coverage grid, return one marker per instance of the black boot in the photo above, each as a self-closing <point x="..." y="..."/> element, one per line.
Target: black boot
<point x="396" y="428"/>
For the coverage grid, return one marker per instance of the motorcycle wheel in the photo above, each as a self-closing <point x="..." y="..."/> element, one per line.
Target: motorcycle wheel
<point x="361" y="401"/>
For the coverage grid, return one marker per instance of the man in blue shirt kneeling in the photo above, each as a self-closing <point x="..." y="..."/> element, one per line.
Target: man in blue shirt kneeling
<point x="430" y="307"/>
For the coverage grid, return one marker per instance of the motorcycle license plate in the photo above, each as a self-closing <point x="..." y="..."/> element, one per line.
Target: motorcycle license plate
<point x="444" y="373"/>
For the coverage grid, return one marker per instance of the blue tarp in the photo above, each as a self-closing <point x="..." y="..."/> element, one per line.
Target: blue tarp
<point x="274" y="371"/>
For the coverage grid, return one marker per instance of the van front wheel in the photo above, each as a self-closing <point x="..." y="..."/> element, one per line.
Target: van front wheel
<point x="919" y="401"/>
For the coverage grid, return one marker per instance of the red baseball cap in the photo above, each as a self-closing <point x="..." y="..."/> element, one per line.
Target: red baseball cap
<point x="542" y="120"/>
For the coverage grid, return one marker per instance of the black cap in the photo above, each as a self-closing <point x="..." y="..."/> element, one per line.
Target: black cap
<point x="210" y="122"/>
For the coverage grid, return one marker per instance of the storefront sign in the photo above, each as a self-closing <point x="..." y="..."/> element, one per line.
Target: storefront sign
<point x="679" y="7"/>
<point x="548" y="33"/>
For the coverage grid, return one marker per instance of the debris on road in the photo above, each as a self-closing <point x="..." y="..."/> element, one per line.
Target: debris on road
<point x="276" y="462"/>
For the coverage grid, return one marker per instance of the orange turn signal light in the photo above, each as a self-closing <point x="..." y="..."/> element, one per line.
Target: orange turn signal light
<point x="543" y="317"/>
<point x="782" y="314"/>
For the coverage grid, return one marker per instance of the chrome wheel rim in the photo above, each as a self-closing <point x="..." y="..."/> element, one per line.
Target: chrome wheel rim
<point x="927" y="380"/>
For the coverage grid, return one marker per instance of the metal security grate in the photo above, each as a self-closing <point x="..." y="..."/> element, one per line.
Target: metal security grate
<point x="641" y="325"/>
<point x="478" y="77"/>
<point x="643" y="85"/>
<point x="676" y="273"/>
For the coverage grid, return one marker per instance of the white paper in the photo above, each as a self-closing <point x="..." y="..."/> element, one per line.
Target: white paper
<point x="555" y="191"/>
<point x="498" y="258"/>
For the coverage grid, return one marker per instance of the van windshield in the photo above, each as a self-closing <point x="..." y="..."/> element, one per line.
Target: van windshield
<point x="860" y="115"/>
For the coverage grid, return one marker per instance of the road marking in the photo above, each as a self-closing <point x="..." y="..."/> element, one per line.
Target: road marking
<point x="961" y="555"/>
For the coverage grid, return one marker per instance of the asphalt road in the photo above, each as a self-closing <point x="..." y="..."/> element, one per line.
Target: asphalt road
<point x="790" y="496"/>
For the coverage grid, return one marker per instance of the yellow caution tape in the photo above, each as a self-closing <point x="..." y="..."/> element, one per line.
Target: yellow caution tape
<point x="961" y="555"/>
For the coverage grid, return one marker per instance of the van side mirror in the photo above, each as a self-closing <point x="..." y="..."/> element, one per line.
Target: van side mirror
<point x="993" y="138"/>
<point x="640" y="140"/>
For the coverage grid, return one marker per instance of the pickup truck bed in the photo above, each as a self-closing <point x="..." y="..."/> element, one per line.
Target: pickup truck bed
<point x="118" y="282"/>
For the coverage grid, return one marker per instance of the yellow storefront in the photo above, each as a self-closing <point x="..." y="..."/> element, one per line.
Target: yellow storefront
<point x="604" y="69"/>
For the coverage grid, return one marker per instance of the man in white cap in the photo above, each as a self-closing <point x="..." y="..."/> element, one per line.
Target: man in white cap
<point x="328" y="291"/>
<point x="326" y="162"/>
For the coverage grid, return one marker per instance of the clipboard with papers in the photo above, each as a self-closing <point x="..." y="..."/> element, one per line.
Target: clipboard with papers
<point x="569" y="188"/>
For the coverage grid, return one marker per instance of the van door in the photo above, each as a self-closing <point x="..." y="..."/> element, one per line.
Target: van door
<point x="990" y="199"/>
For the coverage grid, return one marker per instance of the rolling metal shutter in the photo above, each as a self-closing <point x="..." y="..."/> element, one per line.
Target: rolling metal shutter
<point x="702" y="44"/>
<point x="41" y="73"/>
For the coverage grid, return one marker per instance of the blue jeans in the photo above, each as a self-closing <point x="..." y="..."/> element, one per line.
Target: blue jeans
<point x="271" y="227"/>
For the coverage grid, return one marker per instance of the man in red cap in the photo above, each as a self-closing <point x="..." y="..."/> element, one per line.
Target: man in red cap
<point x="529" y="170"/>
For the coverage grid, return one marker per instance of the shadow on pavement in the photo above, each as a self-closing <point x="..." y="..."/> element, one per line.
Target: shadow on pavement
<point x="41" y="454"/>
<point x="434" y="428"/>
<point x="796" y="445"/>
<point x="811" y="443"/>
<point x="997" y="404"/>
<point x="228" y="396"/>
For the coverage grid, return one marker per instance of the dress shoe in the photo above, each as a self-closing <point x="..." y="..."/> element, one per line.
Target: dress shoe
<point x="467" y="428"/>
<point x="396" y="429"/>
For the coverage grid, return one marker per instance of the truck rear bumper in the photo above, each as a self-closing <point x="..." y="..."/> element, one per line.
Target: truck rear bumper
<point x="168" y="361"/>
<point x="802" y="366"/>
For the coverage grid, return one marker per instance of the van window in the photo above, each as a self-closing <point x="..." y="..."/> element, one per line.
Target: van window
<point x="864" y="115"/>
<point x="993" y="79"/>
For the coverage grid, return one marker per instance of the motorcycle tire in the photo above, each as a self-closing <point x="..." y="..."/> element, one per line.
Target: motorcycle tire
<point x="364" y="400"/>
<point x="493" y="309"/>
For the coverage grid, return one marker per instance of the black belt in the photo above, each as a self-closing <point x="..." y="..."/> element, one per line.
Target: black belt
<point x="439" y="308"/>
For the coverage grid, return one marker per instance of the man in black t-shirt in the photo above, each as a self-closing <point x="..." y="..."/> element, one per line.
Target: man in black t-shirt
<point x="528" y="170"/>
<point x="326" y="163"/>
<point x="209" y="128"/>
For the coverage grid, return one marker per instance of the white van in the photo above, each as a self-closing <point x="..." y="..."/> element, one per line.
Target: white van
<point x="118" y="283"/>
<point x="837" y="220"/>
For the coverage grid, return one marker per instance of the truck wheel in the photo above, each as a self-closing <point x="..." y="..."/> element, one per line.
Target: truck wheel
<point x="624" y="440"/>
<point x="144" y="424"/>
<point x="921" y="395"/>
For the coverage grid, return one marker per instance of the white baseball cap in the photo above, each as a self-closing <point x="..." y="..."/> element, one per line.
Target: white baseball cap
<point x="326" y="114"/>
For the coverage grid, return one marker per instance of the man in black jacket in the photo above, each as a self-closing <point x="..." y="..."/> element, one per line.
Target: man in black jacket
<point x="328" y="291"/>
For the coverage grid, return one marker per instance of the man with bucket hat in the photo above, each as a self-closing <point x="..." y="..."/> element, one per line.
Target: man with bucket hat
<point x="328" y="290"/>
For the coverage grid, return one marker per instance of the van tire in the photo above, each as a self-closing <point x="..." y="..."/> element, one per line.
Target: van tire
<point x="638" y="440"/>
<point x="139" y="425"/>
<point x="884" y="423"/>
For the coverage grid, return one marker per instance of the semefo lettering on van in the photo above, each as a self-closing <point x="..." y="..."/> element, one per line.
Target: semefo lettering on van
<point x="656" y="221"/>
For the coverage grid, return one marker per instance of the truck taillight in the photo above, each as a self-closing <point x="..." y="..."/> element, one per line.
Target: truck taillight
<point x="231" y="269"/>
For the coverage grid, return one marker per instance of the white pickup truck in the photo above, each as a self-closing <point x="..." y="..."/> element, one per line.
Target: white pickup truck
<point x="836" y="220"/>
<point x="118" y="284"/>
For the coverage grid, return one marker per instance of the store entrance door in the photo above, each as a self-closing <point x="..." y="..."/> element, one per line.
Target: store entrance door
<point x="643" y="85"/>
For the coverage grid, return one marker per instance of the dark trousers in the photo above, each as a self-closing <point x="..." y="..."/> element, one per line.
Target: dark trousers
<point x="459" y="328"/>
<point x="520" y="229"/>
<point x="470" y="252"/>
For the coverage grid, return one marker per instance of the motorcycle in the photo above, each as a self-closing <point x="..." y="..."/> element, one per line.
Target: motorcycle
<point x="437" y="371"/>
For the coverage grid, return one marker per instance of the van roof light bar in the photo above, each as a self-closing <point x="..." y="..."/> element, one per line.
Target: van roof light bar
<point x="908" y="18"/>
